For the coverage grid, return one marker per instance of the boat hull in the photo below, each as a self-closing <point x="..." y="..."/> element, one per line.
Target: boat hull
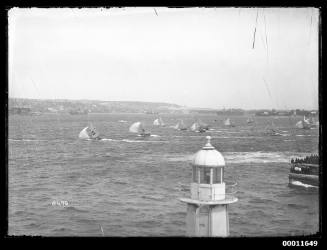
<point x="144" y="135"/>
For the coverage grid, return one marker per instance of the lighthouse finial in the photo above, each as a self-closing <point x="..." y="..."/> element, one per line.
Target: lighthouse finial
<point x="208" y="144"/>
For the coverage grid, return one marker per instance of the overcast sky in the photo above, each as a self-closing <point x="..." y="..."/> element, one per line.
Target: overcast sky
<point x="198" y="57"/>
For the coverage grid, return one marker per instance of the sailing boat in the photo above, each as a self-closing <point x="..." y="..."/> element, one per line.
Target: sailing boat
<point x="180" y="126"/>
<point x="89" y="133"/>
<point x="138" y="128"/>
<point x="158" y="122"/>
<point x="272" y="130"/>
<point x="303" y="124"/>
<point x="228" y="123"/>
<point x="203" y="125"/>
<point x="313" y="122"/>
<point x="250" y="120"/>
<point x="197" y="128"/>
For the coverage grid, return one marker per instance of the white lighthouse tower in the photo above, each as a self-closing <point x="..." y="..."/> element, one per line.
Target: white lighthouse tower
<point x="207" y="209"/>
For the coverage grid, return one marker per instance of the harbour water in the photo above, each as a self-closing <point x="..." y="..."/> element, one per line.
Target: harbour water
<point x="130" y="186"/>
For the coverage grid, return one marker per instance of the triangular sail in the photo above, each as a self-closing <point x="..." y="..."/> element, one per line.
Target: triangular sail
<point x="228" y="123"/>
<point x="84" y="134"/>
<point x="136" y="127"/>
<point x="250" y="120"/>
<point x="180" y="125"/>
<point x="161" y="122"/>
<point x="195" y="126"/>
<point x="272" y="128"/>
<point x="203" y="125"/>
<point x="156" y="122"/>
<point x="302" y="124"/>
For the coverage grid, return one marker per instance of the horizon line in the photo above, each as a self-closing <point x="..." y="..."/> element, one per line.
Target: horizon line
<point x="224" y="108"/>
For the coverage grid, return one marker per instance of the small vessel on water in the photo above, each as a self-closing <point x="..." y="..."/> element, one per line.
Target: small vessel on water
<point x="250" y="120"/>
<point x="196" y="127"/>
<point x="272" y="130"/>
<point x="78" y="112"/>
<point x="304" y="171"/>
<point x="89" y="132"/>
<point x="180" y="126"/>
<point x="138" y="128"/>
<point x="229" y="123"/>
<point x="313" y="123"/>
<point x="203" y="125"/>
<point x="303" y="124"/>
<point x="159" y="122"/>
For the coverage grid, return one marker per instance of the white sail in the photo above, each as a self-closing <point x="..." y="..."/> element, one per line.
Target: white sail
<point x="303" y="124"/>
<point x="203" y="125"/>
<point x="84" y="134"/>
<point x="156" y="122"/>
<point x="136" y="127"/>
<point x="250" y="120"/>
<point x="227" y="122"/>
<point x="299" y="124"/>
<point x="195" y="126"/>
<point x="161" y="122"/>
<point x="180" y="125"/>
<point x="306" y="120"/>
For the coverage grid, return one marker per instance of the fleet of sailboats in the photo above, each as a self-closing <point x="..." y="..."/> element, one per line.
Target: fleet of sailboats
<point x="90" y="131"/>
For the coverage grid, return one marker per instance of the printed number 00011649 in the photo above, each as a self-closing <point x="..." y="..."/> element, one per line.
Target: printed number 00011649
<point x="300" y="243"/>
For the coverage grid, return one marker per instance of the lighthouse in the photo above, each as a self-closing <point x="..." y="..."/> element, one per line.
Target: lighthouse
<point x="207" y="208"/>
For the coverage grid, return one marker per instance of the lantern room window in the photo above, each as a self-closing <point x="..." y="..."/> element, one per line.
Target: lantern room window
<point x="217" y="175"/>
<point x="195" y="174"/>
<point x="205" y="175"/>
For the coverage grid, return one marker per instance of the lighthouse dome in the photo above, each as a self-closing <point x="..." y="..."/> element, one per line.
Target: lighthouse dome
<point x="208" y="156"/>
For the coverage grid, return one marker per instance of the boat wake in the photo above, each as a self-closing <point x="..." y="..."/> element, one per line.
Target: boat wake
<point x="28" y="140"/>
<point x="244" y="157"/>
<point x="298" y="183"/>
<point x="128" y="140"/>
<point x="256" y="157"/>
<point x="108" y="139"/>
<point x="141" y="141"/>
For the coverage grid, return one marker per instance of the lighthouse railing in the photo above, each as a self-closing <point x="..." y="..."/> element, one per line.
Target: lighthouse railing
<point x="231" y="187"/>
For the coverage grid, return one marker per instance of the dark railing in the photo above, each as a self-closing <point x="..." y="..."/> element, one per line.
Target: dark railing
<point x="231" y="187"/>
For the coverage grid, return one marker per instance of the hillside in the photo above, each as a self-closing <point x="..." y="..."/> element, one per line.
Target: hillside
<point x="90" y="106"/>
